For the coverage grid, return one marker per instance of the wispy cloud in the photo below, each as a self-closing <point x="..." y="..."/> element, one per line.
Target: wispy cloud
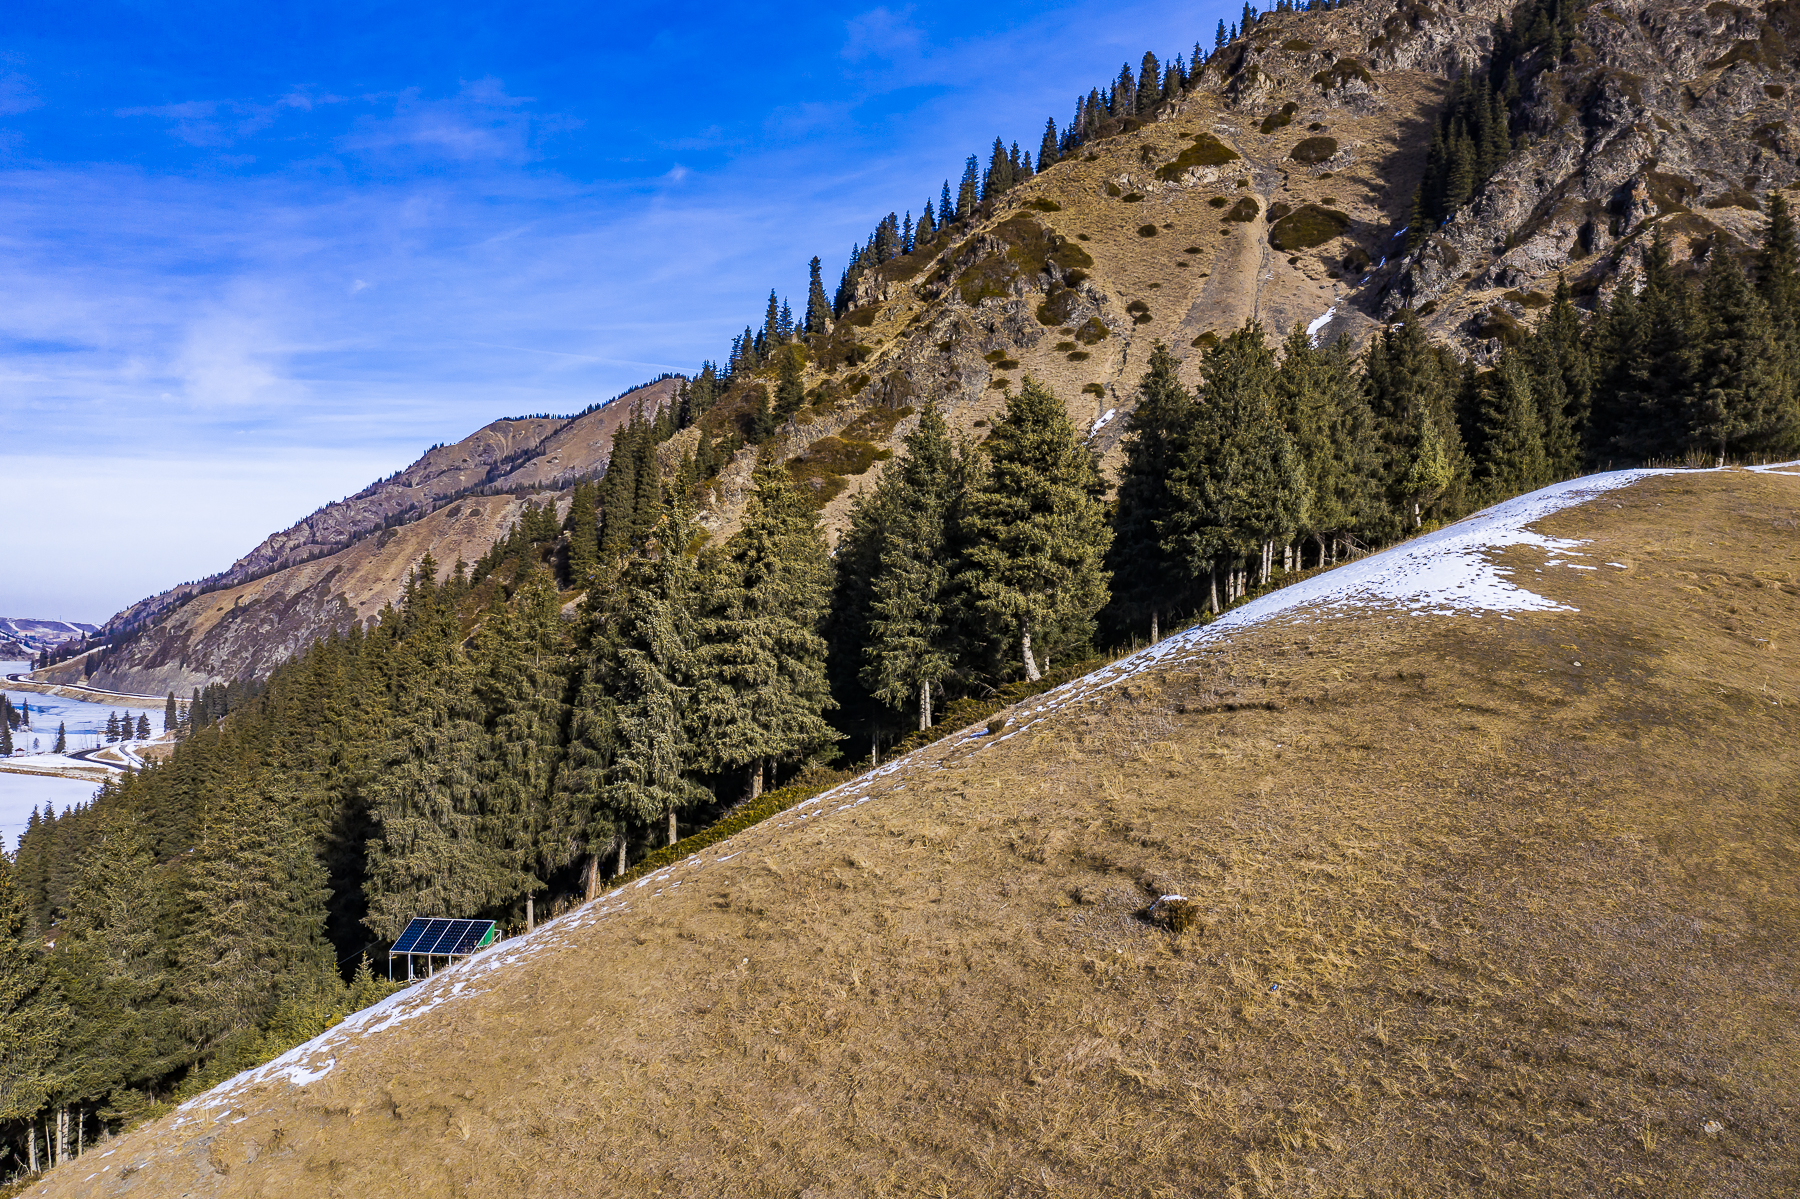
<point x="17" y="94"/>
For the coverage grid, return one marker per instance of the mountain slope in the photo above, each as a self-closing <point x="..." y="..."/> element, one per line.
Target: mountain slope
<point x="1281" y="189"/>
<point x="1491" y="887"/>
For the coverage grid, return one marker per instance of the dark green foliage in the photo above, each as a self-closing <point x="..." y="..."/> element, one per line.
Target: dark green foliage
<point x="32" y="1018"/>
<point x="1147" y="581"/>
<point x="1034" y="532"/>
<point x="1307" y="226"/>
<point x="1510" y="459"/>
<point x="1235" y="478"/>
<point x="1412" y="387"/>
<point x="760" y="663"/>
<point x="1314" y="150"/>
<point x="911" y="643"/>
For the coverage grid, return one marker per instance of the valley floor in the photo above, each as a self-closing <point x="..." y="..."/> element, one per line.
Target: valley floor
<point x="1493" y="870"/>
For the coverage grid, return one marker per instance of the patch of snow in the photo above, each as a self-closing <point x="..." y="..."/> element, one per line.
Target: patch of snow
<point x="1100" y="422"/>
<point x="1312" y="330"/>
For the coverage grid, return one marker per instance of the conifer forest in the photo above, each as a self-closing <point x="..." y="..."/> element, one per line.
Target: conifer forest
<point x="606" y="681"/>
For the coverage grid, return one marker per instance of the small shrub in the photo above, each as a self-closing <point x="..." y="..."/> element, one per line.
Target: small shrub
<point x="1140" y="312"/>
<point x="1207" y="151"/>
<point x="1133" y="197"/>
<point x="1044" y="204"/>
<point x="1297" y="45"/>
<point x="1307" y="227"/>
<point x="1092" y="331"/>
<point x="1093" y="389"/>
<point x="1114" y="190"/>
<point x="1279" y="209"/>
<point x="1244" y="210"/>
<point x="1063" y="347"/>
<point x="996" y="724"/>
<point x="999" y="383"/>
<point x="1080" y="356"/>
<point x="1205" y="341"/>
<point x="1191" y="250"/>
<point x="1146" y="230"/>
<point x="1314" y="150"/>
<point x="1218" y="202"/>
<point x="1280" y="118"/>
<point x="1528" y="299"/>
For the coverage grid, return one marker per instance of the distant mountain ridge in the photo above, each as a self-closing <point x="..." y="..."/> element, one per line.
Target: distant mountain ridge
<point x="506" y="455"/>
<point x="21" y="638"/>
<point x="351" y="557"/>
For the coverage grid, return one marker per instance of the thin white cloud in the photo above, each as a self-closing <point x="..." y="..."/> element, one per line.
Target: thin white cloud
<point x="17" y="94"/>
<point x="881" y="33"/>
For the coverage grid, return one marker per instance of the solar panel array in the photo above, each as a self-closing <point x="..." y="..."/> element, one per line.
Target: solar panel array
<point x="427" y="934"/>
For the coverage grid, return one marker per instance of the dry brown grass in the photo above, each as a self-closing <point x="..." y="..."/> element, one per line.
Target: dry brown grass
<point x="1471" y="920"/>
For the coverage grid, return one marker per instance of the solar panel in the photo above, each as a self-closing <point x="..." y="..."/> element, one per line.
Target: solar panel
<point x="436" y="935"/>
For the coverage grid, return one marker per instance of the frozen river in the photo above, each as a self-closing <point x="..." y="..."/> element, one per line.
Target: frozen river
<point x="20" y="794"/>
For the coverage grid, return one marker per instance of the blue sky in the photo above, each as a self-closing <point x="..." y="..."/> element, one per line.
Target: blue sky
<point x="254" y="256"/>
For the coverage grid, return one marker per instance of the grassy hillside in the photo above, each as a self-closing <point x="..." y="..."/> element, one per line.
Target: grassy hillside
<point x="1482" y="905"/>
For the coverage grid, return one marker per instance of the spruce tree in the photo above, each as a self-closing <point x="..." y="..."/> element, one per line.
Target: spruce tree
<point x="771" y="328"/>
<point x="519" y="682"/>
<point x="651" y="679"/>
<point x="31" y="1018"/>
<point x="1048" y="152"/>
<point x="818" y="307"/>
<point x="911" y="635"/>
<point x="790" y="392"/>
<point x="257" y="930"/>
<point x="1149" y="91"/>
<point x="1036" y="530"/>
<point x="143" y="727"/>
<point x="170" y="715"/>
<point x="1410" y="384"/>
<point x="1320" y="401"/>
<point x="968" y="195"/>
<point x="62" y="739"/>
<point x="761" y="690"/>
<point x="1512" y="459"/>
<point x="1562" y="380"/>
<point x="584" y="534"/>
<point x="999" y="173"/>
<point x="1237" y="477"/>
<point x="926" y="231"/>
<point x="112" y="964"/>
<point x="1734" y="380"/>
<point x="426" y="854"/>
<point x="1148" y="584"/>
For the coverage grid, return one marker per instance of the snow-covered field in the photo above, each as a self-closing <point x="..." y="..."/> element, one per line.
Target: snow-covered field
<point x="20" y="794"/>
<point x="86" y="723"/>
